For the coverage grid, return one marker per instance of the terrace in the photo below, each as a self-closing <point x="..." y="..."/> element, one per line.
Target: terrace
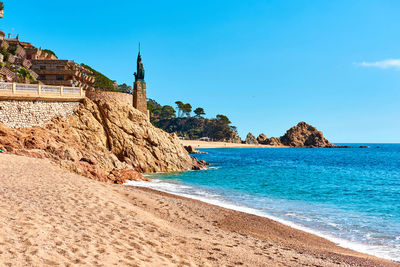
<point x="21" y="91"/>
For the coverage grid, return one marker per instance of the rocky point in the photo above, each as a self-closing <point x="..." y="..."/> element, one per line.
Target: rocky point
<point x="103" y="140"/>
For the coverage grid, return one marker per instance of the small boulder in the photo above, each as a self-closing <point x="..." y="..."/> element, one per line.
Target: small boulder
<point x="121" y="176"/>
<point x="190" y="149"/>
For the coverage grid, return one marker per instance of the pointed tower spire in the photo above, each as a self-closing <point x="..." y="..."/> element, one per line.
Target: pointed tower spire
<point x="139" y="88"/>
<point x="139" y="74"/>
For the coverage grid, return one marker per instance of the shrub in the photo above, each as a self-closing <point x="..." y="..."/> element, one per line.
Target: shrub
<point x="48" y="51"/>
<point x="5" y="53"/>
<point x="102" y="82"/>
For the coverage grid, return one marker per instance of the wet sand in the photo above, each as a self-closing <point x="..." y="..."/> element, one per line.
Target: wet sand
<point x="51" y="217"/>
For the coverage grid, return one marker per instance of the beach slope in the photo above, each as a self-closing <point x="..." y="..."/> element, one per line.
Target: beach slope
<point x="52" y="217"/>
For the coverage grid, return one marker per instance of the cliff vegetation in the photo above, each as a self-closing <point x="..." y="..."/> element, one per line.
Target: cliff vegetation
<point x="187" y="126"/>
<point x="102" y="82"/>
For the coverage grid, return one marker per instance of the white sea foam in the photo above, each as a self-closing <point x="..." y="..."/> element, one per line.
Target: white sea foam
<point x="202" y="195"/>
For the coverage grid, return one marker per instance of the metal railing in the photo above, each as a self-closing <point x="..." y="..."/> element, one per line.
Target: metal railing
<point x="38" y="91"/>
<point x="25" y="87"/>
<point x="6" y="86"/>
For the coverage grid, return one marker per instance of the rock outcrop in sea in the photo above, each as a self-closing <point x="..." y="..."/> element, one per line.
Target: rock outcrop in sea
<point x="103" y="140"/>
<point x="301" y="135"/>
<point x="251" y="139"/>
<point x="304" y="135"/>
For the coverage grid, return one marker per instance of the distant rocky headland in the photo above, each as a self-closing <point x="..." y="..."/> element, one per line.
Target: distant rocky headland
<point x="301" y="135"/>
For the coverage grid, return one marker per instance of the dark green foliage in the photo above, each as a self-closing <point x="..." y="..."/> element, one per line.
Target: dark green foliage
<point x="164" y="117"/>
<point x="179" y="105"/>
<point x="124" y="88"/>
<point x="183" y="109"/>
<point x="25" y="75"/>
<point x="167" y="112"/>
<point x="1" y="6"/>
<point x="158" y="112"/>
<point x="5" y="53"/>
<point x="187" y="109"/>
<point x="199" y="112"/>
<point x="223" y="119"/>
<point x="48" y="51"/>
<point x="102" y="82"/>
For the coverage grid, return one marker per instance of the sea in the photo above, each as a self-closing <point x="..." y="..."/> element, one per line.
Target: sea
<point x="350" y="196"/>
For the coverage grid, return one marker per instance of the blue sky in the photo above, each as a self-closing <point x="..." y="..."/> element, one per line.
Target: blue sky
<point x="265" y="64"/>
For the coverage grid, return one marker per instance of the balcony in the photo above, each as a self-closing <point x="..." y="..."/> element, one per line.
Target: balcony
<point x="21" y="91"/>
<point x="56" y="72"/>
<point x="57" y="82"/>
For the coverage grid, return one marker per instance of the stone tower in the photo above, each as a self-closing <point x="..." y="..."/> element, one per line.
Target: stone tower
<point x="139" y="88"/>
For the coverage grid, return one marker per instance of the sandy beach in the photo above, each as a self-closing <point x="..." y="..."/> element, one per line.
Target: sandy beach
<point x="203" y="144"/>
<point x="51" y="217"/>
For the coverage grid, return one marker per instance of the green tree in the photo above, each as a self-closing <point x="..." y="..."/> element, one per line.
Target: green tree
<point x="179" y="105"/>
<point x="223" y="119"/>
<point x="154" y="109"/>
<point x="167" y="112"/>
<point x="187" y="109"/>
<point x="124" y="88"/>
<point x="199" y="111"/>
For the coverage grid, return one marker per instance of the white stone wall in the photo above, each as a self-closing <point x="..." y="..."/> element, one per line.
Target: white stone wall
<point x="22" y="114"/>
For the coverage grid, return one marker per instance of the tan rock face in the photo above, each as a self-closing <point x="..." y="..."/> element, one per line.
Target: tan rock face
<point x="262" y="139"/>
<point x="235" y="139"/>
<point x="251" y="139"/>
<point x="301" y="135"/>
<point x="273" y="141"/>
<point x="99" y="140"/>
<point x="304" y="135"/>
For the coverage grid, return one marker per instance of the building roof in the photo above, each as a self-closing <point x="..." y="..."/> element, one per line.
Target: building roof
<point x="26" y="45"/>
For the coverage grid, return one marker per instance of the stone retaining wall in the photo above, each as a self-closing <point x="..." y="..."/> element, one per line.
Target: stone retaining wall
<point x="107" y="95"/>
<point x="22" y="114"/>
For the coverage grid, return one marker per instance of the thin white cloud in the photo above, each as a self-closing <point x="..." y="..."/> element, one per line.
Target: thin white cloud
<point x="384" y="64"/>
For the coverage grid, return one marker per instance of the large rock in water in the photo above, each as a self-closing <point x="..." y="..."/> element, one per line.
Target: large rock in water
<point x="250" y="139"/>
<point x="100" y="140"/>
<point x="304" y="135"/>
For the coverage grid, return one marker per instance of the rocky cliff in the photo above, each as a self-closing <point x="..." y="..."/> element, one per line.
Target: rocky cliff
<point x="301" y="135"/>
<point x="103" y="140"/>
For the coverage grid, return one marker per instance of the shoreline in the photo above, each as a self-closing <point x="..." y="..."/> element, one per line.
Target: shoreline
<point x="204" y="144"/>
<point x="343" y="243"/>
<point x="51" y="216"/>
<point x="278" y="222"/>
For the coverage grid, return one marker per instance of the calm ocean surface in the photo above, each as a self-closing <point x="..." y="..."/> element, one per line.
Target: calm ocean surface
<point x="350" y="196"/>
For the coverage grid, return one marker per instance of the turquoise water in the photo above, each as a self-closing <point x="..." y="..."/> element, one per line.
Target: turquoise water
<point x="350" y="196"/>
